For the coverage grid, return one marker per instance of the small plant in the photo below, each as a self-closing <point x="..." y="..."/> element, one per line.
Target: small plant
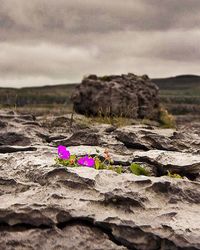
<point x="70" y="162"/>
<point x="166" y="120"/>
<point x="177" y="176"/>
<point x="117" y="121"/>
<point x="137" y="169"/>
<point x="105" y="78"/>
<point x="66" y="159"/>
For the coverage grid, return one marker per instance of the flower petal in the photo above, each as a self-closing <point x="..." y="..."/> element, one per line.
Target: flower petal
<point x="63" y="153"/>
<point x="86" y="161"/>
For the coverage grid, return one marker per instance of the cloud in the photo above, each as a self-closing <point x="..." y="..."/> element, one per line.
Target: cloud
<point x="60" y="41"/>
<point x="45" y="18"/>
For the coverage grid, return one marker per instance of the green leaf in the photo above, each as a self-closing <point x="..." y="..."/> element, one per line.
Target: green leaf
<point x="119" y="169"/>
<point x="110" y="167"/>
<point x="67" y="163"/>
<point x="103" y="166"/>
<point x="72" y="157"/>
<point x="137" y="169"/>
<point x="97" y="163"/>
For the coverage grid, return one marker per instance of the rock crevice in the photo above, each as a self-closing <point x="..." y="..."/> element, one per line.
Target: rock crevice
<point x="44" y="205"/>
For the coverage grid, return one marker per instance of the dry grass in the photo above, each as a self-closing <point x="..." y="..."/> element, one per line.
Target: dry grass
<point x="166" y="120"/>
<point x="43" y="110"/>
<point x="114" y="121"/>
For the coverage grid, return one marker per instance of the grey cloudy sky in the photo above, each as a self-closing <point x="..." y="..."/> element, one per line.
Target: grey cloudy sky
<point x="59" y="41"/>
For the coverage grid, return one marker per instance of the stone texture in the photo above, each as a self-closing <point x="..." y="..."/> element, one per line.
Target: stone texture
<point x="70" y="237"/>
<point x="12" y="149"/>
<point x="181" y="163"/>
<point x="86" y="137"/>
<point x="48" y="206"/>
<point x="121" y="95"/>
<point x="20" y="130"/>
<point x="146" y="138"/>
<point x="135" y="211"/>
<point x="12" y="138"/>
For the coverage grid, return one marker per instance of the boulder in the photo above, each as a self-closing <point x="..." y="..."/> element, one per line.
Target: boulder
<point x="117" y="95"/>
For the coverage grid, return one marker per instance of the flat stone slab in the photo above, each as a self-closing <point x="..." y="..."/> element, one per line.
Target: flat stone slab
<point x="171" y="160"/>
<point x="40" y="198"/>
<point x="44" y="205"/>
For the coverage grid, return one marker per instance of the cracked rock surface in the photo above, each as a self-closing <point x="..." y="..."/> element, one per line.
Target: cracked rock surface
<point x="48" y="206"/>
<point x="77" y="236"/>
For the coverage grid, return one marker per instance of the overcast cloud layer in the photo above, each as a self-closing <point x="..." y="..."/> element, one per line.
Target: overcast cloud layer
<point x="59" y="41"/>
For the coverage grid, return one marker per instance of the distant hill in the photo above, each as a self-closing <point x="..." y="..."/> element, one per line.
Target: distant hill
<point x="56" y="94"/>
<point x="180" y="94"/>
<point x="182" y="82"/>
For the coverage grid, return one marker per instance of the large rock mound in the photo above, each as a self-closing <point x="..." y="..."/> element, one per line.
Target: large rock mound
<point x="119" y="95"/>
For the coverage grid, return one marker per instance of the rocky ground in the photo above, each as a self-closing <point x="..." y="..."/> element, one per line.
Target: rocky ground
<point x="46" y="206"/>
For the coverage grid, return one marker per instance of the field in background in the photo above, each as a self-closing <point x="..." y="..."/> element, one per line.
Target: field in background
<point x="180" y="95"/>
<point x="38" y="100"/>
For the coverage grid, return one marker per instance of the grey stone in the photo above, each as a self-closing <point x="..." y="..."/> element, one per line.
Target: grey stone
<point x="134" y="211"/>
<point x="121" y="95"/>
<point x="48" y="206"/>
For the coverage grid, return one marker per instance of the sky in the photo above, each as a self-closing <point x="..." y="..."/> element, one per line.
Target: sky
<point x="44" y="42"/>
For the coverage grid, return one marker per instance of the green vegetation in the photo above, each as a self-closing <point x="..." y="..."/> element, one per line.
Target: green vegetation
<point x="71" y="162"/>
<point x="99" y="165"/>
<point x="181" y="94"/>
<point x="177" y="176"/>
<point x="105" y="78"/>
<point x="137" y="169"/>
<point x="106" y="164"/>
<point x="37" y="96"/>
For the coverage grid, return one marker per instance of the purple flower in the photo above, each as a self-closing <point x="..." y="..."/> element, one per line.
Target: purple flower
<point x="86" y="161"/>
<point x="63" y="153"/>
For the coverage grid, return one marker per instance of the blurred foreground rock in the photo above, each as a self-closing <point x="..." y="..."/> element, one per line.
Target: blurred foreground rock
<point x="121" y="95"/>
<point x="48" y="206"/>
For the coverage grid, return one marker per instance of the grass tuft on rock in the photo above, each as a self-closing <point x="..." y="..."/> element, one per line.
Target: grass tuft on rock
<point x="137" y="169"/>
<point x="166" y="120"/>
<point x="171" y="175"/>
